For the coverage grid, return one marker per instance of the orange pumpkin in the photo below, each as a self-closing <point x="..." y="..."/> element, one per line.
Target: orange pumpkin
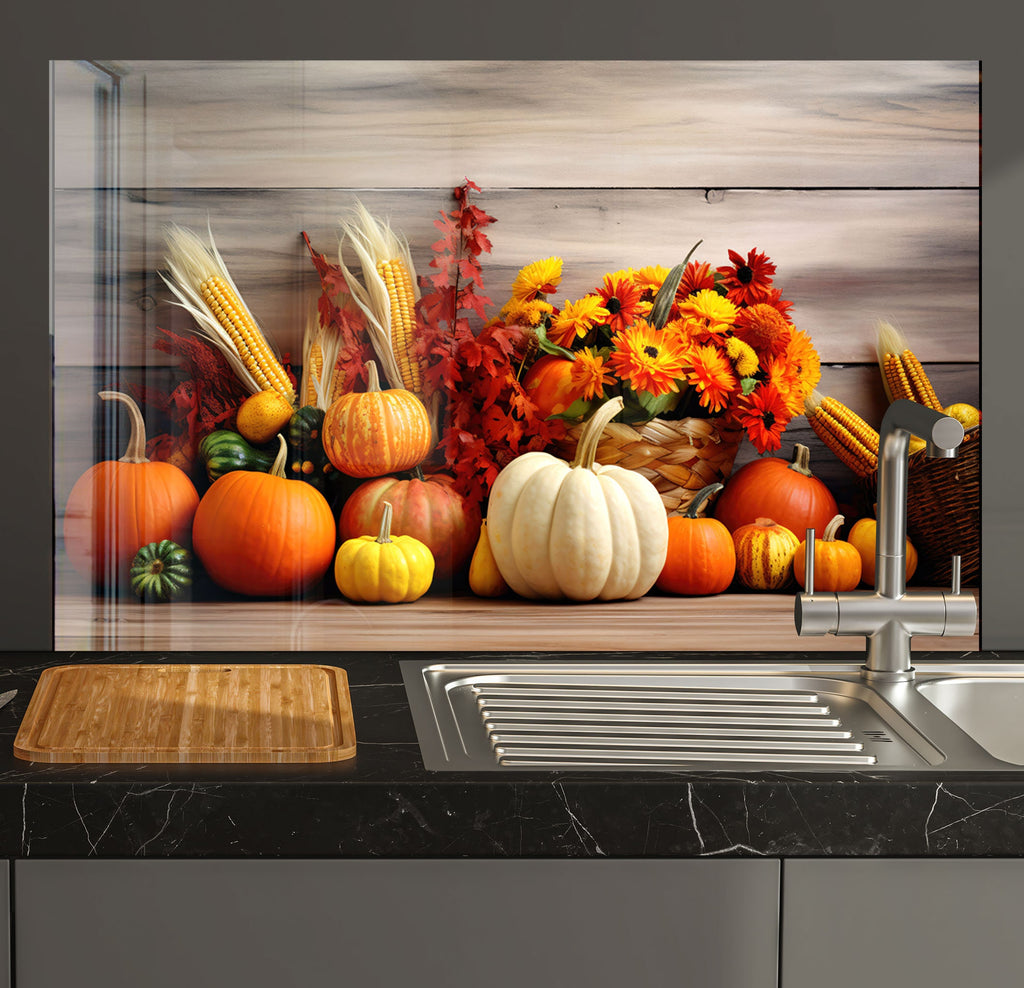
<point x="764" y="554"/>
<point x="770" y="487"/>
<point x="837" y="565"/>
<point x="118" y="506"/>
<point x="549" y="384"/>
<point x="701" y="557"/>
<point x="374" y="432"/>
<point x="862" y="537"/>
<point x="430" y="510"/>
<point x="263" y="534"/>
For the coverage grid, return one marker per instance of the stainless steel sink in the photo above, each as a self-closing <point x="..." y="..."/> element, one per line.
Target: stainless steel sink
<point x="519" y="715"/>
<point x="989" y="709"/>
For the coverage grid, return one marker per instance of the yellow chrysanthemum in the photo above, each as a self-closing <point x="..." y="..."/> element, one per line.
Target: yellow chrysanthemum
<point x="742" y="355"/>
<point x="712" y="312"/>
<point x="577" y="319"/>
<point x="590" y="374"/>
<point x="538" y="278"/>
<point x="520" y="312"/>
<point x="651" y="278"/>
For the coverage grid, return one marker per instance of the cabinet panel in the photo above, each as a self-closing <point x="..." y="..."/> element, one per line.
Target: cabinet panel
<point x="545" y="923"/>
<point x="944" y="924"/>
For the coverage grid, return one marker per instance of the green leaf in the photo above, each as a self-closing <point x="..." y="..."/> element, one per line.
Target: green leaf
<point x="667" y="293"/>
<point x="655" y="406"/>
<point x="553" y="348"/>
<point x="749" y="383"/>
<point x="578" y="410"/>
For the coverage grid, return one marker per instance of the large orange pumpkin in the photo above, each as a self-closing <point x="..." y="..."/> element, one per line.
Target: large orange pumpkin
<point x="374" y="432"/>
<point x="549" y="384"/>
<point x="701" y="555"/>
<point x="118" y="506"/>
<point x="430" y="510"/>
<point x="770" y="487"/>
<point x="263" y="534"/>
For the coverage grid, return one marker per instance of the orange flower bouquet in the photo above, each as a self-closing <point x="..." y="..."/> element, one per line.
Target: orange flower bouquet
<point x="701" y="358"/>
<point x="687" y="343"/>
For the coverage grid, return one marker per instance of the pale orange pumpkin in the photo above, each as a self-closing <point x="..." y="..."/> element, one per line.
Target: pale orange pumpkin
<point x="701" y="555"/>
<point x="375" y="432"/>
<point x="862" y="537"/>
<point x="263" y="534"/>
<point x="430" y="510"/>
<point x="837" y="564"/>
<point x="118" y="506"/>
<point x="770" y="487"/>
<point x="764" y="554"/>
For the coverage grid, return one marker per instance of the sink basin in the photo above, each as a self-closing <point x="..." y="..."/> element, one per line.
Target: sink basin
<point x="990" y="710"/>
<point x="522" y="714"/>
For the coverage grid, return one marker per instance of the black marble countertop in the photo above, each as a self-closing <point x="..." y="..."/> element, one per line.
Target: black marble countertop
<point x="383" y="803"/>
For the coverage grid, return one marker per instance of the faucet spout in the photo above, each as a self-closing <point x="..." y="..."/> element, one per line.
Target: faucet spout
<point x="942" y="435"/>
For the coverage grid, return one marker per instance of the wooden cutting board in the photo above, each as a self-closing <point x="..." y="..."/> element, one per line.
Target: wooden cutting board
<point x="188" y="713"/>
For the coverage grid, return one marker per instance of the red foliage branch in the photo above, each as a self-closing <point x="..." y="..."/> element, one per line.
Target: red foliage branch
<point x="487" y="418"/>
<point x="355" y="348"/>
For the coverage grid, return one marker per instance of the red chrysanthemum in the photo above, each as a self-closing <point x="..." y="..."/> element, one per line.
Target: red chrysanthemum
<point x="696" y="277"/>
<point x="748" y="281"/>
<point x="764" y="328"/>
<point x="765" y="415"/>
<point x="623" y="299"/>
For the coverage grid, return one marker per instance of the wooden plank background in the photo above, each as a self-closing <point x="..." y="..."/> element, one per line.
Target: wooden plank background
<point x="859" y="179"/>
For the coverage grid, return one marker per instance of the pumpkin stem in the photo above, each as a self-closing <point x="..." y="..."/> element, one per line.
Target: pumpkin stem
<point x="586" y="448"/>
<point x="801" y="460"/>
<point x="700" y="497"/>
<point x="829" y="535"/>
<point x="372" y="377"/>
<point x="385" y="523"/>
<point x="281" y="459"/>
<point x="135" y="452"/>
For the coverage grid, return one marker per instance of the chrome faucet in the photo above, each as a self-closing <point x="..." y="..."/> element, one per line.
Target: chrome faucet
<point x="889" y="617"/>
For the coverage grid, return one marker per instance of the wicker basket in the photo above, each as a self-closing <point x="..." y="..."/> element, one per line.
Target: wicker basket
<point x="944" y="511"/>
<point x="678" y="456"/>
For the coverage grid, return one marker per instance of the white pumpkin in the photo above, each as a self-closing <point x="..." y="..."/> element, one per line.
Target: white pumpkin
<point x="582" y="531"/>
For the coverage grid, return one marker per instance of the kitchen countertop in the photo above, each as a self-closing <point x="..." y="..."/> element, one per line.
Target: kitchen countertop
<point x="384" y="803"/>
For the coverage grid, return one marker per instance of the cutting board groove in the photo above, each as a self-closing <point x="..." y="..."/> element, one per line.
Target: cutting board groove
<point x="225" y="712"/>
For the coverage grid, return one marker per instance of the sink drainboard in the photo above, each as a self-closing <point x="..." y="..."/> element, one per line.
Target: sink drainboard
<point x="602" y="720"/>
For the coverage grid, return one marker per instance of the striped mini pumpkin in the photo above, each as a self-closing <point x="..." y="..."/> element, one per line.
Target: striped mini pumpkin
<point x="764" y="554"/>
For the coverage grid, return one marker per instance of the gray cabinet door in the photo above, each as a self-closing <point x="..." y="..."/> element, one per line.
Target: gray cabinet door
<point x="397" y="923"/>
<point x="884" y="921"/>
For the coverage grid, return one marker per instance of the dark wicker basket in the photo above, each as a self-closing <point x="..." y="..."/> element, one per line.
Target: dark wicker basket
<point x="944" y="512"/>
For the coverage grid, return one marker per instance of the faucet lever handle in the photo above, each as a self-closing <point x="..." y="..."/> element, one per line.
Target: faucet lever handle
<point x="809" y="562"/>
<point x="956" y="572"/>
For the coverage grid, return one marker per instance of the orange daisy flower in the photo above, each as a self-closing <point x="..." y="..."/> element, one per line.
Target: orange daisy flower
<point x="650" y="279"/>
<point x="748" y="281"/>
<point x="781" y="375"/>
<point x="764" y="328"/>
<point x="623" y="299"/>
<point x="696" y="277"/>
<point x="712" y="375"/>
<point x="576" y="319"/>
<point x="805" y="367"/>
<point x="589" y="374"/>
<point x="647" y="359"/>
<point x="764" y="414"/>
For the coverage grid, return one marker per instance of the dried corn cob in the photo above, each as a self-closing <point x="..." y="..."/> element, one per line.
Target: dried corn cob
<point x="203" y="286"/>
<point x="852" y="440"/>
<point x="902" y="373"/>
<point x="387" y="294"/>
<point x="320" y="347"/>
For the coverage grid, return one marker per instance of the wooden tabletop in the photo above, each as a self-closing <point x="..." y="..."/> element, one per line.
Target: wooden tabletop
<point x="745" y="622"/>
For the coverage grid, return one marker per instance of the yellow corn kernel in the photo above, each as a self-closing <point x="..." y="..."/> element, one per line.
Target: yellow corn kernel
<point x="313" y="372"/>
<point x="896" y="378"/>
<point x="403" y="321"/>
<point x="253" y="350"/>
<point x="921" y="387"/>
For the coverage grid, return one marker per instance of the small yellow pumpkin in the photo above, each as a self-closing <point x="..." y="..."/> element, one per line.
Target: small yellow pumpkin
<point x="764" y="554"/>
<point x="383" y="568"/>
<point x="485" y="578"/>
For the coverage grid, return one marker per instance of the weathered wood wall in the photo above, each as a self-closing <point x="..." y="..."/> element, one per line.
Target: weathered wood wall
<point x="859" y="179"/>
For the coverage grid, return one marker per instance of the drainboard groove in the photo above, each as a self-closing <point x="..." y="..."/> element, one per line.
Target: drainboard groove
<point x="490" y="703"/>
